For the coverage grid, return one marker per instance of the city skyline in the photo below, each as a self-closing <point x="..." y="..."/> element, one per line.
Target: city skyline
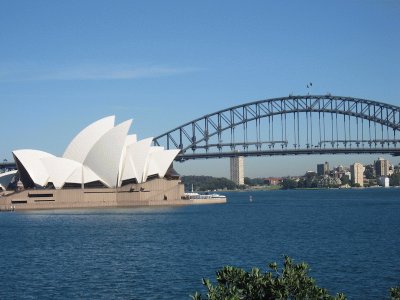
<point x="64" y="64"/>
<point x="330" y="167"/>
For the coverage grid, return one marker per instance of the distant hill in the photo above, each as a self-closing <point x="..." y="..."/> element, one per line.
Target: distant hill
<point x="207" y="183"/>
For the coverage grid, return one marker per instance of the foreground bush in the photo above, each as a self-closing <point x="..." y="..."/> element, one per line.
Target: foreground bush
<point x="395" y="293"/>
<point x="292" y="282"/>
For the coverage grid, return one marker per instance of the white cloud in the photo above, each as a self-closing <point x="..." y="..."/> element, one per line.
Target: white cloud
<point x="87" y="72"/>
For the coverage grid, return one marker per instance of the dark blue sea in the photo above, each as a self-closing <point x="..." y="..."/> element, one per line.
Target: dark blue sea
<point x="350" y="239"/>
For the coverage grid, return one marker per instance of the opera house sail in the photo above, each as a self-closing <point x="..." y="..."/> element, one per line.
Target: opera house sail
<point x="102" y="166"/>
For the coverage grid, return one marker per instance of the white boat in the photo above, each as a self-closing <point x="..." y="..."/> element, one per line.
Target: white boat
<point x="212" y="198"/>
<point x="193" y="196"/>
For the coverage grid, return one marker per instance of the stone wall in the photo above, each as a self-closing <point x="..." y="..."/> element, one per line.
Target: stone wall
<point x="153" y="192"/>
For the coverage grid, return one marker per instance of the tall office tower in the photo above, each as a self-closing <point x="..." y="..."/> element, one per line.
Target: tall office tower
<point x="237" y="169"/>
<point x="357" y="174"/>
<point x="382" y="167"/>
<point x="323" y="169"/>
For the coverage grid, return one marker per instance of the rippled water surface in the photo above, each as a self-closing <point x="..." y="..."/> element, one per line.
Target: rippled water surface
<point x="350" y="238"/>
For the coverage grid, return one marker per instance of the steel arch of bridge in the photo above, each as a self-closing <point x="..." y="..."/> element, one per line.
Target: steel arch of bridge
<point x="310" y="124"/>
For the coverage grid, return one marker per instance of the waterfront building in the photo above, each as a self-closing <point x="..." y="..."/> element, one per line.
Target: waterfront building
<point x="340" y="168"/>
<point x="102" y="166"/>
<point x="357" y="174"/>
<point x="323" y="169"/>
<point x="101" y="155"/>
<point x="237" y="169"/>
<point x="273" y="181"/>
<point x="382" y="167"/>
<point x="384" y="181"/>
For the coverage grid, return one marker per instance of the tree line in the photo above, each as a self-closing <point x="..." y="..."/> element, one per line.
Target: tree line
<point x="207" y="183"/>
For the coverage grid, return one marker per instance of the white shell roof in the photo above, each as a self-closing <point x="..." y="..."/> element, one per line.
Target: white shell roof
<point x="100" y="152"/>
<point x="137" y="154"/>
<point x="83" y="174"/>
<point x="59" y="169"/>
<point x="6" y="177"/>
<point x="129" y="170"/>
<point x="81" y="145"/>
<point x="104" y="157"/>
<point x="130" y="139"/>
<point x="152" y="167"/>
<point x="31" y="159"/>
<point x="160" y="161"/>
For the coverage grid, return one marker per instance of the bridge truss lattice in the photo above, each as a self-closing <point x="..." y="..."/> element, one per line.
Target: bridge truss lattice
<point x="310" y="124"/>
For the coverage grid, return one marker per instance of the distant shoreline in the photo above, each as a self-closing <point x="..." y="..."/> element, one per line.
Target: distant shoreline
<point x="317" y="188"/>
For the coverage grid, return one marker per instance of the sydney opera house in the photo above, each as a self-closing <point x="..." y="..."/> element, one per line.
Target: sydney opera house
<point x="102" y="166"/>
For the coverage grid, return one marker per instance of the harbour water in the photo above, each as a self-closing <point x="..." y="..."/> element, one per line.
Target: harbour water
<point x="350" y="239"/>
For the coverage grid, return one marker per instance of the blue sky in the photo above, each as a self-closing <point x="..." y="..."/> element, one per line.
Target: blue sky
<point x="64" y="64"/>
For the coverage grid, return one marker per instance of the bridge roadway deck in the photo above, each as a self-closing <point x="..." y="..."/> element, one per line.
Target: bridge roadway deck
<point x="284" y="152"/>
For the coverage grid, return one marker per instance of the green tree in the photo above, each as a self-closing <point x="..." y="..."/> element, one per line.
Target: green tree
<point x="369" y="172"/>
<point x="310" y="180"/>
<point x="247" y="181"/>
<point x="301" y="183"/>
<point x="395" y="180"/>
<point x="206" y="183"/>
<point x="345" y="180"/>
<point x="254" y="181"/>
<point x="292" y="282"/>
<point x="395" y="293"/>
<point x="288" y="184"/>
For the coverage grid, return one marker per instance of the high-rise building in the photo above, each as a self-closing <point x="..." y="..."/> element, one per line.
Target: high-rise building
<point x="382" y="167"/>
<point x="237" y="170"/>
<point x="323" y="169"/>
<point x="357" y="174"/>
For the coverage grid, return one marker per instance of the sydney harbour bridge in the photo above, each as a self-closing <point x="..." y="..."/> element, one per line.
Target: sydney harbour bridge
<point x="293" y="125"/>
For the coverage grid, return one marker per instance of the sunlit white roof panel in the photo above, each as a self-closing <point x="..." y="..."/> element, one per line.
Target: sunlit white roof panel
<point x="6" y="178"/>
<point x="163" y="160"/>
<point x="90" y="176"/>
<point x="83" y="174"/>
<point x="59" y="169"/>
<point x="81" y="145"/>
<point x="152" y="166"/>
<point x="75" y="176"/>
<point x="129" y="170"/>
<point x="105" y="155"/>
<point x="31" y="160"/>
<point x="130" y="139"/>
<point x="138" y="153"/>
